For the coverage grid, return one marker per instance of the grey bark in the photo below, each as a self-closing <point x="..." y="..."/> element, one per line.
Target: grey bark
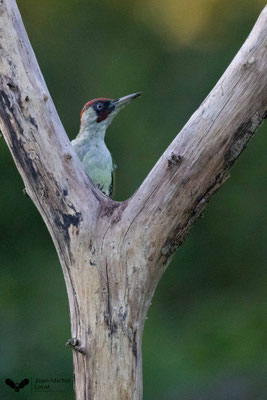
<point x="114" y="254"/>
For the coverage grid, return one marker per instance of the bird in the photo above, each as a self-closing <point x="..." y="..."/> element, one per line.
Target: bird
<point x="96" y="116"/>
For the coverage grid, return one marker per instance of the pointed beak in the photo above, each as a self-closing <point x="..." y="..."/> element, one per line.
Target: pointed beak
<point x="123" y="101"/>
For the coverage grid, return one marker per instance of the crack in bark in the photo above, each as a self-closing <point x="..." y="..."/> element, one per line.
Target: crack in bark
<point x="241" y="138"/>
<point x="63" y="221"/>
<point x="108" y="315"/>
<point x="132" y="337"/>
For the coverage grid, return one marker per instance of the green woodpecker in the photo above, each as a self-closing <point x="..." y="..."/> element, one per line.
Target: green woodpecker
<point x="90" y="146"/>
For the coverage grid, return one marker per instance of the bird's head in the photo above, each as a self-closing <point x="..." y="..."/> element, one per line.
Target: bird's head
<point x="97" y="114"/>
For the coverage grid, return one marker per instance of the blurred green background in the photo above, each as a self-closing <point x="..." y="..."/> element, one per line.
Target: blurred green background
<point x="206" y="333"/>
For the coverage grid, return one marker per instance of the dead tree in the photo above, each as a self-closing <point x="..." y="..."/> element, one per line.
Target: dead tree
<point x="113" y="254"/>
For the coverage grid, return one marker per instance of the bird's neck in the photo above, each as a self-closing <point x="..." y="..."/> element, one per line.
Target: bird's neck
<point x="90" y="138"/>
<point x="92" y="132"/>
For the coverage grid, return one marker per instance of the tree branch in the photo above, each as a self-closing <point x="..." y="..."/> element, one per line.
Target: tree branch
<point x="198" y="160"/>
<point x="50" y="169"/>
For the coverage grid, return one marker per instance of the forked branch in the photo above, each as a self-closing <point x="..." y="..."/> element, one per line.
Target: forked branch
<point x="113" y="254"/>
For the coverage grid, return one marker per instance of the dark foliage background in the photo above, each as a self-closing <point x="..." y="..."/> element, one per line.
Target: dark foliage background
<point x="205" y="337"/>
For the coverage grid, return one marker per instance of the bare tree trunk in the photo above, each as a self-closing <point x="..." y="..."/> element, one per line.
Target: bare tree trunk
<point x="114" y="254"/>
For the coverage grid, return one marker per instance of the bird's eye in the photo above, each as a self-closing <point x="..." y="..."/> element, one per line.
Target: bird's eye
<point x="99" y="106"/>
